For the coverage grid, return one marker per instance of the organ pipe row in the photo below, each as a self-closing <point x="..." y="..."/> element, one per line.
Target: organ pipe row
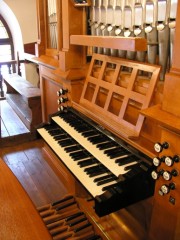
<point x="153" y="20"/>
<point x="150" y="19"/>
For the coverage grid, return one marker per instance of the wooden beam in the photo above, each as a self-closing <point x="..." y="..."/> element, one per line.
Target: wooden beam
<point x="122" y="43"/>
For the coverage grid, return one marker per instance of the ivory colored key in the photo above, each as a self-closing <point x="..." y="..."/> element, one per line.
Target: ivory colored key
<point x="88" y="182"/>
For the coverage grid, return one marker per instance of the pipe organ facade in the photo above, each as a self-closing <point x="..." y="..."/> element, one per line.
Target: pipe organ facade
<point x="110" y="81"/>
<point x="153" y="20"/>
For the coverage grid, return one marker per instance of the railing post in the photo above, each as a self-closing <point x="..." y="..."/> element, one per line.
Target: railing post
<point x="1" y="85"/>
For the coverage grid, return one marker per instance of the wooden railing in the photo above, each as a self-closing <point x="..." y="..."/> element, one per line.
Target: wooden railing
<point x="11" y="66"/>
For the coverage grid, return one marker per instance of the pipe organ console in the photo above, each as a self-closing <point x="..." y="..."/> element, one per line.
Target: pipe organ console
<point x="110" y="81"/>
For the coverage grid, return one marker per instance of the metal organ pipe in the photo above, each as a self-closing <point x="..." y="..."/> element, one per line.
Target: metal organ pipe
<point x="151" y="19"/>
<point x="98" y="25"/>
<point x="163" y="35"/>
<point x="151" y="31"/>
<point x="128" y="15"/>
<point x="121" y="53"/>
<point x="112" y="24"/>
<point x="139" y="30"/>
<point x="52" y="17"/>
<point x="172" y="25"/>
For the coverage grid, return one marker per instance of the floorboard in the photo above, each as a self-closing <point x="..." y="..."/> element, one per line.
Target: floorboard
<point x="27" y="162"/>
<point x="11" y="124"/>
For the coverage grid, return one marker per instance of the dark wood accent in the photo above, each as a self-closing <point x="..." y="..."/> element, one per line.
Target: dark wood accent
<point x="30" y="48"/>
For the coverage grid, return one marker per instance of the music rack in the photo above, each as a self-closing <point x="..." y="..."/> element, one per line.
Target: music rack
<point x="116" y="90"/>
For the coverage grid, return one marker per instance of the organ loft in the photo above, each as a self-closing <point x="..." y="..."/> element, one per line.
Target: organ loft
<point x="109" y="82"/>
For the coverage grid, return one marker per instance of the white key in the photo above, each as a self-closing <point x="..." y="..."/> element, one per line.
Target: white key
<point x="98" y="154"/>
<point x="72" y="165"/>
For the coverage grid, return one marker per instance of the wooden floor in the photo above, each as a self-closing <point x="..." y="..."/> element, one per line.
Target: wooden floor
<point x="27" y="160"/>
<point x="9" y="119"/>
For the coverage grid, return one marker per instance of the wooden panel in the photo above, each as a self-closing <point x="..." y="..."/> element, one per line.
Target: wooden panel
<point x="165" y="217"/>
<point x="171" y="100"/>
<point x="164" y="119"/>
<point x="29" y="48"/>
<point x="49" y="97"/>
<point x="122" y="43"/>
<point x="115" y="91"/>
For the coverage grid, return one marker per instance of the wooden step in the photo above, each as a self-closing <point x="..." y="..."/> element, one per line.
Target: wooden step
<point x="20" y="107"/>
<point x="25" y="99"/>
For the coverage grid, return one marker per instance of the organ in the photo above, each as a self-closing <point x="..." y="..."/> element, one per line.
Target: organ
<point x="111" y="69"/>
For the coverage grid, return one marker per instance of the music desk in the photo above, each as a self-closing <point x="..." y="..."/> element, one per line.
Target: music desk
<point x="18" y="215"/>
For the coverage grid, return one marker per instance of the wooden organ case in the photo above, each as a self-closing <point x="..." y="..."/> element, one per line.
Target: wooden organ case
<point x="115" y="65"/>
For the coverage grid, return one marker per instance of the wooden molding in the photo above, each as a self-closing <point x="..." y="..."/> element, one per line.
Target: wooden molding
<point x="122" y="43"/>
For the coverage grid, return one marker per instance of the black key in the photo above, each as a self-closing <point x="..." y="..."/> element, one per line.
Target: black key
<point x="75" y="154"/>
<point x="55" y="132"/>
<point x="112" y="150"/>
<point x="73" y="148"/>
<point x="133" y="171"/>
<point x="92" y="169"/>
<point x="90" y="133"/>
<point x="97" y="139"/>
<point x="107" y="145"/>
<point x="80" y="156"/>
<point x="68" y="142"/>
<point x="133" y="166"/>
<point x="51" y="127"/>
<point x="83" y="128"/>
<point x="110" y="186"/>
<point x="118" y="154"/>
<point x="126" y="160"/>
<point x="96" y="170"/>
<point x="96" y="173"/>
<point x="62" y="141"/>
<point x="106" y="181"/>
<point x="61" y="137"/>
<point x="103" y="177"/>
<point x="88" y="162"/>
